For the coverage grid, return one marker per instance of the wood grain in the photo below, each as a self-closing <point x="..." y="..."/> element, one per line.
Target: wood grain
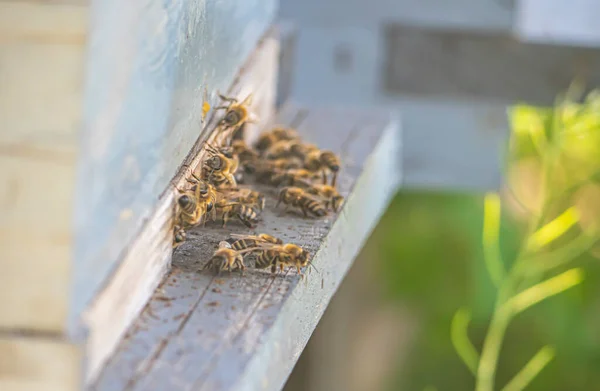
<point x="36" y="364"/>
<point x="490" y="66"/>
<point x="202" y="332"/>
<point x="42" y="49"/>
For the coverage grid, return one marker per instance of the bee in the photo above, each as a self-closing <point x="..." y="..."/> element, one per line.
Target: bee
<point x="292" y="177"/>
<point x="329" y="194"/>
<point x="299" y="198"/>
<point x="243" y="242"/>
<point x="247" y="197"/>
<point x="267" y="139"/>
<point x="179" y="236"/>
<point x="323" y="160"/>
<point x="280" y="164"/>
<point x="247" y="157"/>
<point x="301" y="150"/>
<point x="246" y="214"/>
<point x="280" y="149"/>
<point x="226" y="258"/>
<point x="218" y="168"/>
<point x="236" y="113"/>
<point x="278" y="256"/>
<point x="239" y="132"/>
<point x="195" y="203"/>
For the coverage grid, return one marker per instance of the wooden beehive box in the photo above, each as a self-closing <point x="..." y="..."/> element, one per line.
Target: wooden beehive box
<point x="99" y="106"/>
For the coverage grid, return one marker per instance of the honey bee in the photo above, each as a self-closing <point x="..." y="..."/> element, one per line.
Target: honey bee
<point x="267" y="139"/>
<point x="247" y="157"/>
<point x="218" y="168"/>
<point x="301" y="150"/>
<point x="244" y="242"/>
<point x="292" y="177"/>
<point x="195" y="203"/>
<point x="278" y="256"/>
<point x="280" y="149"/>
<point x="226" y="258"/>
<point x="329" y="194"/>
<point x="299" y="198"/>
<point x="179" y="236"/>
<point x="281" y="164"/>
<point x="323" y="160"/>
<point x="236" y="113"/>
<point x="239" y="132"/>
<point x="247" y="197"/>
<point x="246" y="214"/>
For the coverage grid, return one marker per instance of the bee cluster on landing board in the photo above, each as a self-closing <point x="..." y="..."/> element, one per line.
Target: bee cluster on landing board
<point x="304" y="175"/>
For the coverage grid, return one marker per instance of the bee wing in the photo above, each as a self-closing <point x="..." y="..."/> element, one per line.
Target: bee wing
<point x="210" y="148"/>
<point x="267" y="245"/>
<point x="302" y="182"/>
<point x="241" y="236"/>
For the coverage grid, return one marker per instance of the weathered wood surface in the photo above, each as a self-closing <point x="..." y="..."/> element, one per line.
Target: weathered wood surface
<point x="480" y="15"/>
<point x="148" y="256"/>
<point x="33" y="363"/>
<point x="42" y="49"/>
<point x="233" y="332"/>
<point x="491" y="66"/>
<point x="442" y="137"/>
<point x="559" y="22"/>
<point x="148" y="65"/>
<point x="288" y="35"/>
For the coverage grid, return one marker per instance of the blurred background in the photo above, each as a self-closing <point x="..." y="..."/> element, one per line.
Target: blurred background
<point x="449" y="69"/>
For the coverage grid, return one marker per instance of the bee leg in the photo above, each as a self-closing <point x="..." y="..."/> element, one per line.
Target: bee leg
<point x="196" y="178"/>
<point x="324" y="177"/>
<point x="231" y="180"/>
<point x="226" y="98"/>
<point x="334" y="178"/>
<point x="273" y="269"/>
<point x="225" y="219"/>
<point x="304" y="212"/>
<point x="241" y="264"/>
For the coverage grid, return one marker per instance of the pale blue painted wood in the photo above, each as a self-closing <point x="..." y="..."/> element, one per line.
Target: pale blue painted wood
<point x="573" y="22"/>
<point x="481" y="15"/>
<point x="148" y="63"/>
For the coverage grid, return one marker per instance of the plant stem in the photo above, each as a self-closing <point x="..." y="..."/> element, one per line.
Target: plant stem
<point x="486" y="371"/>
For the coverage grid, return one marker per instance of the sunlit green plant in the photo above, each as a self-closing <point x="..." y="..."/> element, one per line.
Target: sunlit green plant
<point x="565" y="143"/>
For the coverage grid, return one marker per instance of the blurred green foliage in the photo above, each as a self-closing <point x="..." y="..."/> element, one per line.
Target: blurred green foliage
<point x="432" y="260"/>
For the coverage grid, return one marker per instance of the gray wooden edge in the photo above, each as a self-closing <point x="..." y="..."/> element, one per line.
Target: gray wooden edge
<point x="245" y="332"/>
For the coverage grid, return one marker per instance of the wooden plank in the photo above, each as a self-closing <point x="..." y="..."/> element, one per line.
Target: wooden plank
<point x="147" y="259"/>
<point x="42" y="51"/>
<point x="496" y="67"/>
<point x="38" y="364"/>
<point x="288" y="35"/>
<point x="478" y="15"/>
<point x="148" y="66"/>
<point x="246" y="332"/>
<point x="537" y="21"/>
<point x="452" y="145"/>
